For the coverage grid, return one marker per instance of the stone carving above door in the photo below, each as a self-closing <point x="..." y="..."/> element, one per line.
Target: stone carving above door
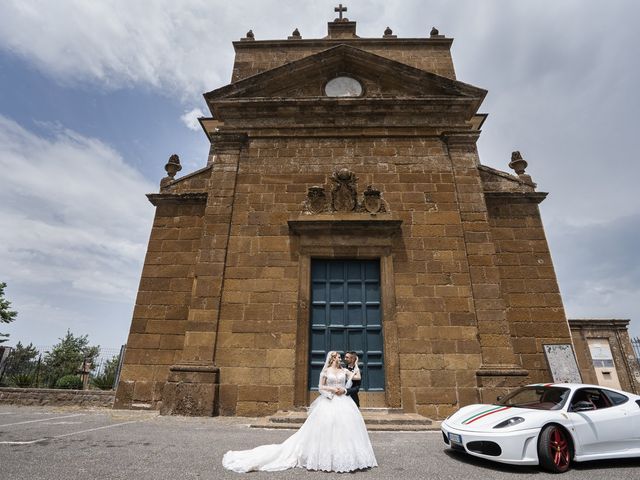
<point x="344" y="197"/>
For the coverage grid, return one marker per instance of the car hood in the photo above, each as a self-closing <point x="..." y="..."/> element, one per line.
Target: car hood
<point x="483" y="417"/>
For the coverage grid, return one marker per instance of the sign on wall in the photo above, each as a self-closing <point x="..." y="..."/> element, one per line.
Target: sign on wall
<point x="562" y="363"/>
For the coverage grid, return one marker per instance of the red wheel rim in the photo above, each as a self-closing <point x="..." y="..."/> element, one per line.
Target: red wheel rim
<point x="559" y="449"/>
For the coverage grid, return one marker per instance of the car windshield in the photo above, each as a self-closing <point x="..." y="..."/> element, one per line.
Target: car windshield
<point x="537" y="397"/>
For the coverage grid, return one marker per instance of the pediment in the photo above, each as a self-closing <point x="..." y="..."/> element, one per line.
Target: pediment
<point x="381" y="78"/>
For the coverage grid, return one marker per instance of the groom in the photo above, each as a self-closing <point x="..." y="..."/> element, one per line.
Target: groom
<point x="350" y="360"/>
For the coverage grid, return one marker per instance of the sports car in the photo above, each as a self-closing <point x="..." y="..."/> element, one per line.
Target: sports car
<point x="550" y="425"/>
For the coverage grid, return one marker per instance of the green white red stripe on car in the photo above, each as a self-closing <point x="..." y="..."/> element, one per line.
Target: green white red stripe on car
<point x="484" y="413"/>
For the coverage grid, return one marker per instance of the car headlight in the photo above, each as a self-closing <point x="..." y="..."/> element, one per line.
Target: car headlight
<point x="510" y="422"/>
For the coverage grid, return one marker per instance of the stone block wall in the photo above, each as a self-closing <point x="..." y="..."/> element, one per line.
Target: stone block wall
<point x="534" y="306"/>
<point x="434" y="309"/>
<point x="56" y="397"/>
<point x="160" y="314"/>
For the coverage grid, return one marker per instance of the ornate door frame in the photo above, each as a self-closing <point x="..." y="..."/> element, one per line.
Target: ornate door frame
<point x="333" y="237"/>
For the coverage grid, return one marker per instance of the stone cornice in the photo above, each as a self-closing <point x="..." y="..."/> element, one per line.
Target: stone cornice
<point x="332" y="42"/>
<point x="599" y="323"/>
<point x="346" y="131"/>
<point x="176" y="198"/>
<point x="436" y="102"/>
<point x="353" y="224"/>
<point x="431" y="111"/>
<point x="518" y="197"/>
<point x="456" y="139"/>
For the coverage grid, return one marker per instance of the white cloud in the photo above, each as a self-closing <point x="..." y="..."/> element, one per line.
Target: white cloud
<point x="163" y="44"/>
<point x="75" y="221"/>
<point x="190" y="118"/>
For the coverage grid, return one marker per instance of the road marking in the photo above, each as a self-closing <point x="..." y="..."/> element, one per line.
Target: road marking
<point x="30" y="442"/>
<point x="61" y="423"/>
<point x="23" y="443"/>
<point x="41" y="420"/>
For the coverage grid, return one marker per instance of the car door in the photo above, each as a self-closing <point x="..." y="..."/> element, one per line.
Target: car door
<point x="631" y="408"/>
<point x="605" y="429"/>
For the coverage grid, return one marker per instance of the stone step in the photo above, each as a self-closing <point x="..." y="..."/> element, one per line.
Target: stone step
<point x="374" y="418"/>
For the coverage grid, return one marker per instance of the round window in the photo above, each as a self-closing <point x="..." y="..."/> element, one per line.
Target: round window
<point x="343" y="87"/>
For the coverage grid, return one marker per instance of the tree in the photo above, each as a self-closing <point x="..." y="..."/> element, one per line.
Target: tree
<point x="21" y="360"/>
<point x="6" y="315"/>
<point x="107" y="378"/>
<point x="66" y="357"/>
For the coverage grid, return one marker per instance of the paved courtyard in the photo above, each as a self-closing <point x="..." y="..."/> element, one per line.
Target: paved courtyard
<point x="62" y="443"/>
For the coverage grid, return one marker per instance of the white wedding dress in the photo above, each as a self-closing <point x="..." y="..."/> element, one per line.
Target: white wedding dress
<point x="333" y="438"/>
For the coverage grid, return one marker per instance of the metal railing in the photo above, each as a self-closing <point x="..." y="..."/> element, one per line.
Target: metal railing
<point x="32" y="371"/>
<point x="635" y="342"/>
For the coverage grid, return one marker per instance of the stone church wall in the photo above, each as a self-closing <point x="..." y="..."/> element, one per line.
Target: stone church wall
<point x="468" y="292"/>
<point x="437" y="343"/>
<point x="534" y="307"/>
<point x="160" y="314"/>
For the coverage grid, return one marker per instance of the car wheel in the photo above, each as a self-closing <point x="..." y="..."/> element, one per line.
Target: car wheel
<point x="554" y="449"/>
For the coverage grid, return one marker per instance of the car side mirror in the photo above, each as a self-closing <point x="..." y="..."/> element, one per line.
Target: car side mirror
<point x="583" y="406"/>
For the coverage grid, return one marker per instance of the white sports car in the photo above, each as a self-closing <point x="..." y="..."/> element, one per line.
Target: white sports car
<point x="549" y="425"/>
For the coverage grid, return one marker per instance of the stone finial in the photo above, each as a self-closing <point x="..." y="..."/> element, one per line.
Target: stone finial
<point x="172" y="167"/>
<point x="388" y="33"/>
<point x="517" y="163"/>
<point x="248" y="37"/>
<point x="295" y="35"/>
<point x="435" y="33"/>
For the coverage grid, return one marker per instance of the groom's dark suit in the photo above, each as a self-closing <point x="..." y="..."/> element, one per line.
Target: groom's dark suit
<point x="354" y="389"/>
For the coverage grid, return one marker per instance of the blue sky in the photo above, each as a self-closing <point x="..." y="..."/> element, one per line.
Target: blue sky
<point x="95" y="96"/>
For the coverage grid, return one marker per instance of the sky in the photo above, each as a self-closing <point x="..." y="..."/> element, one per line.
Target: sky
<point x="95" y="97"/>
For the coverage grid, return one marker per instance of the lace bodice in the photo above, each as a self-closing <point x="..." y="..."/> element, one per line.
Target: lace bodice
<point x="338" y="379"/>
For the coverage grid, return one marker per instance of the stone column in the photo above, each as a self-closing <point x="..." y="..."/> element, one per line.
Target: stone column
<point x="192" y="387"/>
<point x="499" y="369"/>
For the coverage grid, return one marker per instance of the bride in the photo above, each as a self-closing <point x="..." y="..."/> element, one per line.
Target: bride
<point x="333" y="438"/>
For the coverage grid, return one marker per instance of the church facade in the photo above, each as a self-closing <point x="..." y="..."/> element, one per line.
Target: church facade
<point x="343" y="207"/>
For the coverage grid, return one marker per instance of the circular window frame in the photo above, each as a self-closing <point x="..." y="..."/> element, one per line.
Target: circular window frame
<point x="347" y="76"/>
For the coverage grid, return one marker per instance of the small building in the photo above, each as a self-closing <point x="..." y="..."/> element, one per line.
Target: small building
<point x="605" y="354"/>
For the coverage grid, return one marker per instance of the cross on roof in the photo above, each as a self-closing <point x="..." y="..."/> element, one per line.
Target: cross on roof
<point x="340" y="9"/>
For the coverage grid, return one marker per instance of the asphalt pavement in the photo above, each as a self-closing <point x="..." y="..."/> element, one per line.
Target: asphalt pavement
<point x="63" y="443"/>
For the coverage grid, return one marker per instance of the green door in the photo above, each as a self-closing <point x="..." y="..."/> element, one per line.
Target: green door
<point x="346" y="315"/>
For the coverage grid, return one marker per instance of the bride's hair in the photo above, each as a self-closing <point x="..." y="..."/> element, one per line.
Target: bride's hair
<point x="331" y="356"/>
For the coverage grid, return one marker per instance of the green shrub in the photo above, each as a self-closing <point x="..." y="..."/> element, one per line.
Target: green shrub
<point x="71" y="382"/>
<point x="22" y="380"/>
<point x="103" y="381"/>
